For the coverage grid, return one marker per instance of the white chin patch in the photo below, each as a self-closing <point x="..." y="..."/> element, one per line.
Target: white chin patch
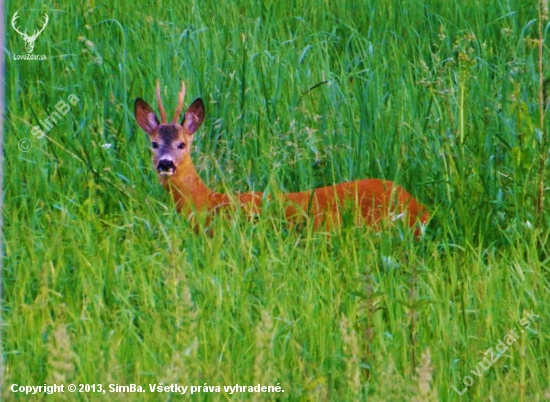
<point x="167" y="172"/>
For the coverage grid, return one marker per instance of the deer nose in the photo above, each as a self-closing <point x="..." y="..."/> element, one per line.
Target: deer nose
<point x="166" y="166"/>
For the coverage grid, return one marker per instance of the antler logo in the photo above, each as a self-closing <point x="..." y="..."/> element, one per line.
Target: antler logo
<point x="29" y="40"/>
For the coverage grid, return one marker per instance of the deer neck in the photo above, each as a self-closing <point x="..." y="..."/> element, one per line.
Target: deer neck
<point x="188" y="190"/>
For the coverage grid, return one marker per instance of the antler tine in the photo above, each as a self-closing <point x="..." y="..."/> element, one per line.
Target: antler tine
<point x="159" y="102"/>
<point x="37" y="32"/>
<point x="46" y="19"/>
<point x="180" y="103"/>
<point x="13" y="22"/>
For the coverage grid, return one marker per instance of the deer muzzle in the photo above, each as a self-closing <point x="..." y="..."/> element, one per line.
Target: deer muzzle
<point x="166" y="167"/>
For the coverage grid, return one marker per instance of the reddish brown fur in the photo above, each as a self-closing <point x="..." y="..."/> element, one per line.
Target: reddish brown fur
<point x="375" y="201"/>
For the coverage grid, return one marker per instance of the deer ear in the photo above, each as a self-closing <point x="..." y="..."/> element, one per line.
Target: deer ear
<point x="145" y="116"/>
<point x="193" y="117"/>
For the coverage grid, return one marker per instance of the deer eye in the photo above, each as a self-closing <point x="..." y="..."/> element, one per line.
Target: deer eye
<point x="181" y="145"/>
<point x="154" y="145"/>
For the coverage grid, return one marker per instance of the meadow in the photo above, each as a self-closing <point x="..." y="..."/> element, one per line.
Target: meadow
<point x="103" y="283"/>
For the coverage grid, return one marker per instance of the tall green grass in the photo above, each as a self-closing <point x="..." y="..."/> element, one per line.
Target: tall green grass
<point x="103" y="283"/>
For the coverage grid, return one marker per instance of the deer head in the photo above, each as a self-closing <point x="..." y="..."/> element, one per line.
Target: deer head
<point x="170" y="142"/>
<point x="29" y="40"/>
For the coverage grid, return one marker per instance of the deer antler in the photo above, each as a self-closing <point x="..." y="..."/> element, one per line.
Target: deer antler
<point x="15" y="17"/>
<point x="180" y="103"/>
<point x="35" y="34"/>
<point x="159" y="102"/>
<point x="24" y="34"/>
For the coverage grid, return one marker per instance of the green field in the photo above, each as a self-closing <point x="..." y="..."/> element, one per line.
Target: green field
<point x="103" y="283"/>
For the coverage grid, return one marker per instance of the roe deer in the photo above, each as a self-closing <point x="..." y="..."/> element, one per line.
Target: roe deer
<point x="372" y="199"/>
